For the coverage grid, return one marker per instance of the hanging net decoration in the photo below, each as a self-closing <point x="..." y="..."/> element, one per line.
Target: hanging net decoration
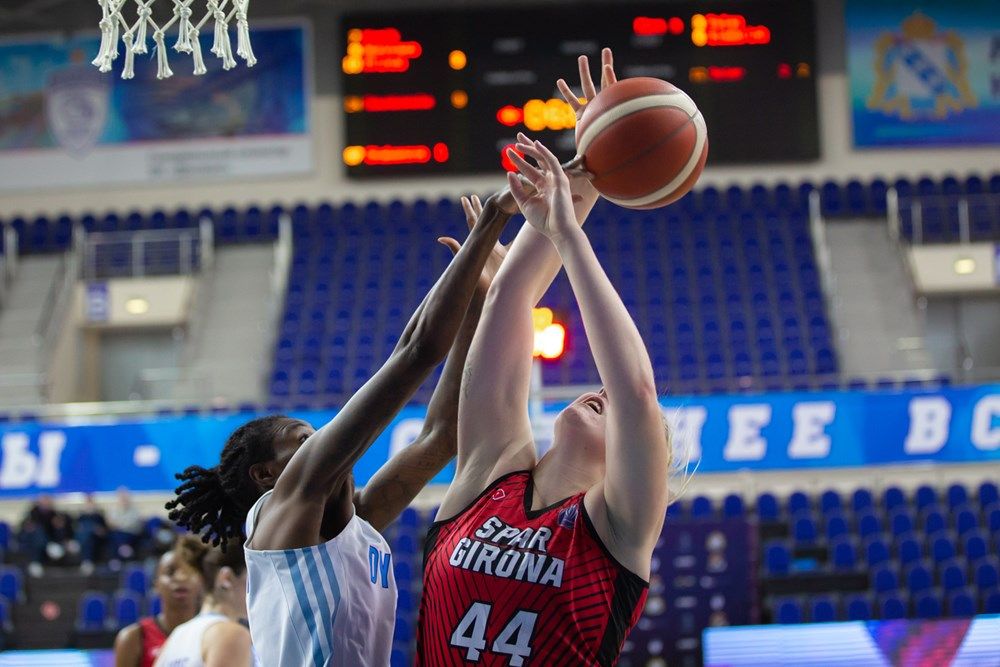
<point x="116" y="24"/>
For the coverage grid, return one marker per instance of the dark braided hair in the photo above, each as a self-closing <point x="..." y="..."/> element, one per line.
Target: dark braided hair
<point x="213" y="502"/>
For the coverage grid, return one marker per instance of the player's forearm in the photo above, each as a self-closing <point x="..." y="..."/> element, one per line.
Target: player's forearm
<point x="432" y="329"/>
<point x="618" y="349"/>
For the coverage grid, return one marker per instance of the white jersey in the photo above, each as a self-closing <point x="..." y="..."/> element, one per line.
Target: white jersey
<point x="329" y="605"/>
<point x="183" y="647"/>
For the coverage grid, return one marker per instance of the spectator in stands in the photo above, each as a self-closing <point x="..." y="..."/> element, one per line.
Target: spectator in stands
<point x="125" y="523"/>
<point x="219" y="635"/>
<point x="180" y="586"/>
<point x="46" y="534"/>
<point x="91" y="534"/>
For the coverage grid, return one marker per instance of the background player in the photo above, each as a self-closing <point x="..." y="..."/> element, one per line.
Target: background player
<point x="308" y="544"/>
<point x="217" y="636"/>
<point x="178" y="584"/>
<point x="547" y="561"/>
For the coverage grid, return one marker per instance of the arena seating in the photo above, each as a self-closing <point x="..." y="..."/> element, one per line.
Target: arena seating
<point x="823" y="557"/>
<point x="723" y="284"/>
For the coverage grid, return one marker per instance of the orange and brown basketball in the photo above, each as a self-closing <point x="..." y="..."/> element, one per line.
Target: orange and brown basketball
<point x="645" y="142"/>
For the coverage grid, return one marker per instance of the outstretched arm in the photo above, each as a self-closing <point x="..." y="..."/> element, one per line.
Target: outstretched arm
<point x="314" y="490"/>
<point x="398" y="482"/>
<point x="630" y="502"/>
<point x="494" y="428"/>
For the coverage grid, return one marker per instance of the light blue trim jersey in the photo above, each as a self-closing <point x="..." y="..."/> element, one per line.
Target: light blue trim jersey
<point x="329" y="605"/>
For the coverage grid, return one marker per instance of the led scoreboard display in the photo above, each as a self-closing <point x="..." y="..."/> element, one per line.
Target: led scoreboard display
<point x="444" y="92"/>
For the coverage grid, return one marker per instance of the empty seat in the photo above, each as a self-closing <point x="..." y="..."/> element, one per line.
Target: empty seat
<point x="942" y="549"/>
<point x="953" y="577"/>
<point x="957" y="495"/>
<point x="918" y="578"/>
<point x="93" y="612"/>
<point x="11" y="586"/>
<point x="925" y="495"/>
<point x="876" y="552"/>
<point x="844" y="555"/>
<point x="928" y="605"/>
<point x="767" y="507"/>
<point x="892" y="498"/>
<point x="788" y="611"/>
<point x="732" y="506"/>
<point x="798" y="502"/>
<point x="909" y="551"/>
<point x="892" y="607"/>
<point x="777" y="559"/>
<point x="830" y="501"/>
<point x="985" y="574"/>
<point x="701" y="507"/>
<point x="988" y="494"/>
<point x="961" y="604"/>
<point x="823" y="609"/>
<point x="884" y="580"/>
<point x="804" y="530"/>
<point x="858" y="607"/>
<point x="126" y="607"/>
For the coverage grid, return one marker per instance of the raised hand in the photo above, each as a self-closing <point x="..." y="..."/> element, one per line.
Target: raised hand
<point x="473" y="208"/>
<point x="584" y="194"/>
<point x="549" y="209"/>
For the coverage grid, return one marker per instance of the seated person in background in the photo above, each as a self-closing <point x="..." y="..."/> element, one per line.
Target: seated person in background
<point x="125" y="523"/>
<point x="180" y="587"/>
<point x="46" y="535"/>
<point x="218" y="636"/>
<point x="91" y="533"/>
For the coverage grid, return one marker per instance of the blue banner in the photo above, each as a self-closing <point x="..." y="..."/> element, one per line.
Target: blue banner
<point x="924" y="73"/>
<point x="727" y="433"/>
<point x="64" y="123"/>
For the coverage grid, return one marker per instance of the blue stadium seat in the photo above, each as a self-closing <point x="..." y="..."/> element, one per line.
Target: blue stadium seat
<point x="966" y="521"/>
<point x="884" y="580"/>
<point x="991" y="601"/>
<point x="892" y="498"/>
<point x="844" y="555"/>
<point x="934" y="521"/>
<point x="732" y="506"/>
<point x="975" y="546"/>
<point x="861" y="499"/>
<point x="952" y="576"/>
<point x="961" y="604"/>
<point x="957" y="495"/>
<point x="892" y="607"/>
<point x="858" y="606"/>
<point x="93" y="612"/>
<point x="901" y="522"/>
<point x="777" y="559"/>
<point x="701" y="508"/>
<point x="830" y="500"/>
<point x="126" y="607"/>
<point x="804" y="530"/>
<point x="985" y="574"/>
<point x="767" y="507"/>
<point x="788" y="611"/>
<point x="988" y="494"/>
<point x="876" y="552"/>
<point x="918" y="578"/>
<point x="909" y="550"/>
<point x="11" y="583"/>
<point x="928" y="605"/>
<point x="823" y="609"/>
<point x="836" y="526"/>
<point x="942" y="548"/>
<point x="798" y="502"/>
<point x="869" y="525"/>
<point x="134" y="578"/>
<point x="925" y="496"/>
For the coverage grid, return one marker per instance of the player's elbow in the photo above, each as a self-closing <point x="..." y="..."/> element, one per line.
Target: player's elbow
<point x="424" y="349"/>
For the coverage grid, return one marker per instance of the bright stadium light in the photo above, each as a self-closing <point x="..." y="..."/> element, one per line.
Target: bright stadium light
<point x="964" y="266"/>
<point x="137" y="306"/>
<point x="550" y="336"/>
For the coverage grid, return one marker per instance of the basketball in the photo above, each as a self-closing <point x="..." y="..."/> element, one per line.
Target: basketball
<point x="645" y="142"/>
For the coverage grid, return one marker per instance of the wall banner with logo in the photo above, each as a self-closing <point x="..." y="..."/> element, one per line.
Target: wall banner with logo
<point x="64" y="123"/>
<point x="724" y="433"/>
<point x="924" y="74"/>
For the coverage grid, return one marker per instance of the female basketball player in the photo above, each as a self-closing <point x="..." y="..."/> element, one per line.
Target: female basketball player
<point x="547" y="562"/>
<point x="179" y="586"/>
<point x="216" y="637"/>
<point x="321" y="588"/>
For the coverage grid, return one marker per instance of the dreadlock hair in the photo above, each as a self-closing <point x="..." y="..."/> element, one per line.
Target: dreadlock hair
<point x="213" y="502"/>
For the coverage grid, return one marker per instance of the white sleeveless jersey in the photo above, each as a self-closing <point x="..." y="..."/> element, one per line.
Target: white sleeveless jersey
<point x="183" y="647"/>
<point x="329" y="605"/>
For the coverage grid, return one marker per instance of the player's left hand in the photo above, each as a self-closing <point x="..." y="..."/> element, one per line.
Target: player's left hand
<point x="584" y="194"/>
<point x="473" y="208"/>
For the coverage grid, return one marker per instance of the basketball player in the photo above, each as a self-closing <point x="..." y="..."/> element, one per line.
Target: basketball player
<point x="179" y="586"/>
<point x="321" y="587"/>
<point x="216" y="637"/>
<point x="547" y="562"/>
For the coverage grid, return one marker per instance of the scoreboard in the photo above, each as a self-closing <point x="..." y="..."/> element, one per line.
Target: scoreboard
<point x="444" y="92"/>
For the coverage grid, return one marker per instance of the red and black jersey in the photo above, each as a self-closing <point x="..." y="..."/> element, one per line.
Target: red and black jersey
<point x="153" y="639"/>
<point x="505" y="585"/>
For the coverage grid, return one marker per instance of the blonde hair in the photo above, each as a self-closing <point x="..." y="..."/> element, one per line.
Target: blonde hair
<point x="678" y="468"/>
